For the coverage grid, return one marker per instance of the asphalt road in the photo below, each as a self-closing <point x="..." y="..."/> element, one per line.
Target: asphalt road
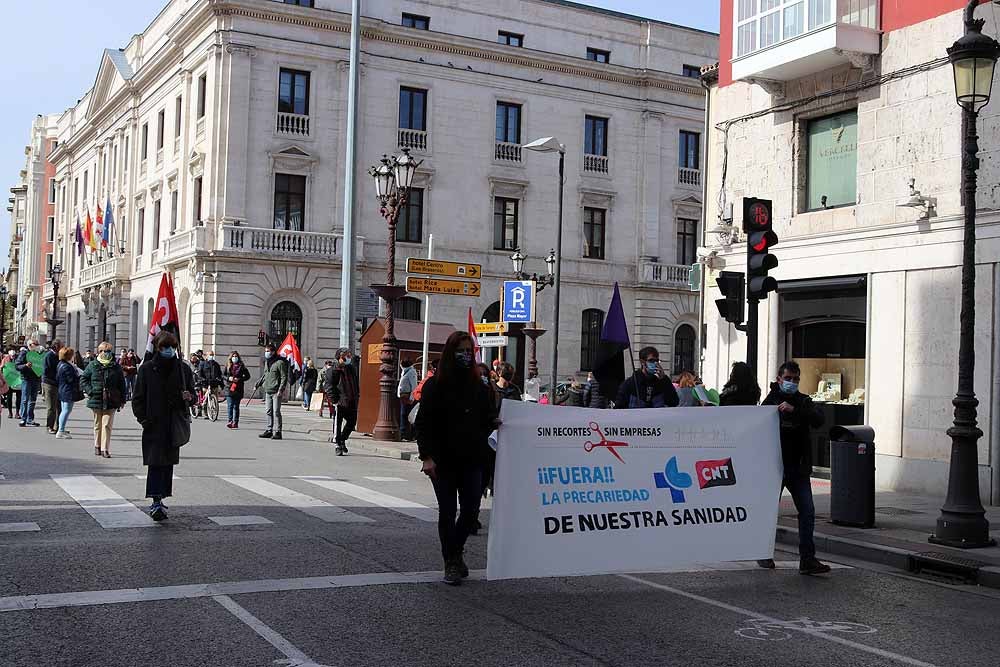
<point x="337" y="563"/>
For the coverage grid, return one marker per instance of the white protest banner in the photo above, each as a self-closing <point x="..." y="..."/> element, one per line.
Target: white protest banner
<point x="603" y="491"/>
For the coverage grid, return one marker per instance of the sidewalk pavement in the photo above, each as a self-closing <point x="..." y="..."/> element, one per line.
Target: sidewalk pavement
<point x="903" y="523"/>
<point x="899" y="539"/>
<point x="311" y="425"/>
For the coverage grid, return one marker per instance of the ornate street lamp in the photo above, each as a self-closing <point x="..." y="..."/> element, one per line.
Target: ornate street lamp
<point x="55" y="275"/>
<point x="393" y="177"/>
<point x="962" y="522"/>
<point x="532" y="331"/>
<point x="552" y="145"/>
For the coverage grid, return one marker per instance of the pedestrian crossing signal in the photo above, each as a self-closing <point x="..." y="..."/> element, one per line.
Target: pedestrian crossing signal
<point x="757" y="223"/>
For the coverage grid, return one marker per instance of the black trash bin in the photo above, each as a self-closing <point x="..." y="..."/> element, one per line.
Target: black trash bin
<point x="852" y="476"/>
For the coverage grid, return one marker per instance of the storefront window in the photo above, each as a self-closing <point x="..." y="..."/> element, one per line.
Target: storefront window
<point x="833" y="161"/>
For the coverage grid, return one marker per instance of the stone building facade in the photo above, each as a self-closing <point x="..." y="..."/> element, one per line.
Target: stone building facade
<point x="840" y="125"/>
<point x="217" y="137"/>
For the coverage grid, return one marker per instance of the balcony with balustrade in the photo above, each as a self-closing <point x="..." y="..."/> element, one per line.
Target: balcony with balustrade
<point x="110" y="270"/>
<point x="415" y="140"/>
<point x="279" y="243"/>
<point x="671" y="276"/>
<point x="508" y="152"/>
<point x="690" y="177"/>
<point x="293" y="125"/>
<point x="781" y="40"/>
<point x="595" y="163"/>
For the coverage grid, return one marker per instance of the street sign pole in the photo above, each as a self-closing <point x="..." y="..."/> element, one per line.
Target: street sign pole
<point x="427" y="313"/>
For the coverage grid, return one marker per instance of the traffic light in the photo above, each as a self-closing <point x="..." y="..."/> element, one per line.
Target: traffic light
<point x="733" y="287"/>
<point x="760" y="239"/>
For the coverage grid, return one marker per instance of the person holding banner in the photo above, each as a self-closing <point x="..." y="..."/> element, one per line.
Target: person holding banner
<point x="456" y="417"/>
<point x="30" y="372"/>
<point x="798" y="416"/>
<point x="649" y="387"/>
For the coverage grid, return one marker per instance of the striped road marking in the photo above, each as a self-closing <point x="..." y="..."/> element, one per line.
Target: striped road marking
<point x="401" y="505"/>
<point x="106" y="507"/>
<point x="385" y="479"/>
<point x="300" y="501"/>
<point x="25" y="527"/>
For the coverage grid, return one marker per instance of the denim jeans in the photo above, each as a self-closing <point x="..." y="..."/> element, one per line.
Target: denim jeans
<point x="272" y="403"/>
<point x="798" y="484"/>
<point x="234" y="410"/>
<point x="66" y="407"/>
<point x="129" y="386"/>
<point x="307" y="397"/>
<point x="29" y="394"/>
<point x="464" y="483"/>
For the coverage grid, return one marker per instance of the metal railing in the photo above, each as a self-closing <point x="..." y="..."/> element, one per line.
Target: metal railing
<point x="666" y="275"/>
<point x="279" y="242"/>
<point x="687" y="176"/>
<point x="293" y="124"/>
<point x="508" y="152"/>
<point x="598" y="163"/>
<point x="413" y="139"/>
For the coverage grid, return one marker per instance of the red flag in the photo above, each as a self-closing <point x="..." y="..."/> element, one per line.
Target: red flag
<point x="173" y="304"/>
<point x="289" y="350"/>
<point x="164" y="315"/>
<point x="475" y="340"/>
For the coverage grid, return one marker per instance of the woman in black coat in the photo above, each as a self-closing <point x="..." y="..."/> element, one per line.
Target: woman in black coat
<point x="457" y="414"/>
<point x="742" y="387"/>
<point x="309" y="378"/>
<point x="236" y="376"/>
<point x="161" y="401"/>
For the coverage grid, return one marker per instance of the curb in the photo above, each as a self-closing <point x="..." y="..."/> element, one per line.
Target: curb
<point x="900" y="559"/>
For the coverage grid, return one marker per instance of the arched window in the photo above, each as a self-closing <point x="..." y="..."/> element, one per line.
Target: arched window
<point x="286" y="318"/>
<point x="407" y="308"/>
<point x="590" y="337"/>
<point x="684" y="343"/>
<point x="492" y="314"/>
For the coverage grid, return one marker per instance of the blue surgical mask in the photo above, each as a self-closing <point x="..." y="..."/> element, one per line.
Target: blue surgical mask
<point x="652" y="366"/>
<point x="211" y="358"/>
<point x="348" y="361"/>
<point x="789" y="387"/>
<point x="464" y="359"/>
<point x="168" y="352"/>
<point x="268" y="354"/>
<point x="485" y="380"/>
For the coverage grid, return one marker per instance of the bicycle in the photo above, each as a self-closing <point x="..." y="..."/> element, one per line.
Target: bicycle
<point x="208" y="403"/>
<point x="763" y="629"/>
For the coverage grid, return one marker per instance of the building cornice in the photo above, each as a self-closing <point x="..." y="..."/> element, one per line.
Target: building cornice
<point x="458" y="45"/>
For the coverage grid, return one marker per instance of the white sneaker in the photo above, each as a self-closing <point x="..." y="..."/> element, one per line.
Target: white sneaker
<point x="63" y="435"/>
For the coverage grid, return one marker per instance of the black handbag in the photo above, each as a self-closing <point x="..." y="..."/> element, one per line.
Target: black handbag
<point x="180" y="427"/>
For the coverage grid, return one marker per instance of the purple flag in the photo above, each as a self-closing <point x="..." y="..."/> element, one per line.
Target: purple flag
<point x="615" y="327"/>
<point x="79" y="237"/>
<point x="609" y="361"/>
<point x="109" y="220"/>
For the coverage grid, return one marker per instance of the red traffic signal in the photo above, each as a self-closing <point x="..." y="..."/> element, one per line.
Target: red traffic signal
<point x="757" y="223"/>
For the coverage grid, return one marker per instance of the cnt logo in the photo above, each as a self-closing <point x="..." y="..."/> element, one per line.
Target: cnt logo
<point x="673" y="479"/>
<point x="715" y="473"/>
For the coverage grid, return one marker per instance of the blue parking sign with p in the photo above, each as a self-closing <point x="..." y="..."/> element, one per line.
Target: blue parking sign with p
<point x="518" y="301"/>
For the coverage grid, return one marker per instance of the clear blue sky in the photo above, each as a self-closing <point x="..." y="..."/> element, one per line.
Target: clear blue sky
<point x="52" y="50"/>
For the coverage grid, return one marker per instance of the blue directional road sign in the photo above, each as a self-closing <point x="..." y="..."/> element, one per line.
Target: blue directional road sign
<point x="518" y="303"/>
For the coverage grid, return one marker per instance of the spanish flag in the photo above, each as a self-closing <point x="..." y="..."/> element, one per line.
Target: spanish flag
<point x="88" y="231"/>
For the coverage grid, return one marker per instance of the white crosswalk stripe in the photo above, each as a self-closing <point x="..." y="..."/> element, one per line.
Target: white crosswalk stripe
<point x="300" y="501"/>
<point x="106" y="507"/>
<point x="407" y="507"/>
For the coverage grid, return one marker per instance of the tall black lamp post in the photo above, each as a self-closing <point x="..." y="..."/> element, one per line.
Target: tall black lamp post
<point x="393" y="177"/>
<point x="532" y="330"/>
<point x="55" y="275"/>
<point x="962" y="522"/>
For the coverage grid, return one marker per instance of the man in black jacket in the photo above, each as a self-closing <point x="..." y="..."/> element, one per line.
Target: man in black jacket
<point x="342" y="387"/>
<point x="649" y="387"/>
<point x="798" y="416"/>
<point x="50" y="386"/>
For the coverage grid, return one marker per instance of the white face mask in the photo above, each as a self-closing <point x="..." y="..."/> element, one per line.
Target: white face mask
<point x="235" y="360"/>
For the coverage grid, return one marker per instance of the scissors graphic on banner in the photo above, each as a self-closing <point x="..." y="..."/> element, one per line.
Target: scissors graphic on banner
<point x="604" y="442"/>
